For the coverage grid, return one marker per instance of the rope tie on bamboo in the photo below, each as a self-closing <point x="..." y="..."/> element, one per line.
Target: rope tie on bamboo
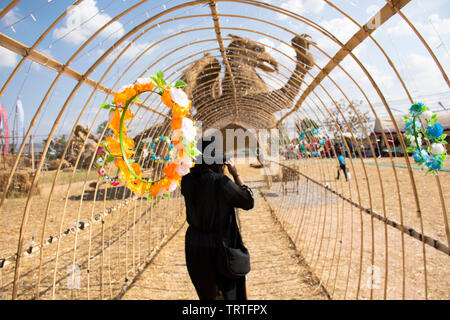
<point x="27" y="52"/>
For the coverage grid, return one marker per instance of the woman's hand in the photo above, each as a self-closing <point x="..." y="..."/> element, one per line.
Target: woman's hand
<point x="231" y="167"/>
<point x="233" y="171"/>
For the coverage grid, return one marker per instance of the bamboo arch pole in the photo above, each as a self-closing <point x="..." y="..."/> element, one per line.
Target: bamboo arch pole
<point x="439" y="185"/>
<point x="377" y="120"/>
<point x="402" y="144"/>
<point x="401" y="216"/>
<point x="324" y="171"/>
<point x="119" y="225"/>
<point x="337" y="224"/>
<point x="380" y="181"/>
<point x="34" y="46"/>
<point x="385" y="13"/>
<point x="71" y="59"/>
<point x="362" y="164"/>
<point x="299" y="226"/>
<point x="346" y="51"/>
<point x="358" y="192"/>
<point x="391" y="63"/>
<point x="318" y="255"/>
<point x="62" y="70"/>
<point x="91" y="69"/>
<point x="358" y="118"/>
<point x="356" y="184"/>
<point x="378" y="172"/>
<point x="212" y="6"/>
<point x="444" y="75"/>
<point x="68" y="190"/>
<point x="408" y="164"/>
<point x="325" y="194"/>
<point x="144" y="102"/>
<point x="424" y="42"/>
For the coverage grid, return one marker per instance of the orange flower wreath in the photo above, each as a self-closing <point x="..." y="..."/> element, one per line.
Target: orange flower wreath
<point x="119" y="148"/>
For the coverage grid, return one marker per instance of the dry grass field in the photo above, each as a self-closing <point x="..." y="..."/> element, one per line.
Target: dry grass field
<point x="328" y="232"/>
<point x="343" y="244"/>
<point x="122" y="233"/>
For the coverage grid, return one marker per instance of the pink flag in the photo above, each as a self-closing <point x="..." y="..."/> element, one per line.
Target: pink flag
<point x="5" y="132"/>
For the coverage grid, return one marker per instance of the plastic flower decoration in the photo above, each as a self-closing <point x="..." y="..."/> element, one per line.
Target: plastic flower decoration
<point x="300" y="144"/>
<point x="434" y="156"/>
<point x="118" y="149"/>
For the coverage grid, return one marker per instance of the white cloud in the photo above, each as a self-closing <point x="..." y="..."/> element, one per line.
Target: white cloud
<point x="342" y="28"/>
<point x="137" y="48"/>
<point x="288" y="50"/>
<point x="12" y="16"/>
<point x="133" y="51"/>
<point x="273" y="81"/>
<point x="429" y="30"/>
<point x="7" y="58"/>
<point x="83" y="21"/>
<point x="381" y="78"/>
<point x="400" y="29"/>
<point x="302" y="6"/>
<point x="269" y="44"/>
<point x="425" y="72"/>
<point x="443" y="25"/>
<point x="385" y="80"/>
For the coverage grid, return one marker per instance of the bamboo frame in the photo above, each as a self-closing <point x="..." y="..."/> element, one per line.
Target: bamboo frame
<point x="312" y="244"/>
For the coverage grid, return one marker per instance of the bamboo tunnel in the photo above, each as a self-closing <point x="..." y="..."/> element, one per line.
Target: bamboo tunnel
<point x="383" y="234"/>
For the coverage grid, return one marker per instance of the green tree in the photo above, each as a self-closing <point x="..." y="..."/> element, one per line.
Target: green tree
<point x="56" y="147"/>
<point x="350" y="112"/>
<point x="101" y="127"/>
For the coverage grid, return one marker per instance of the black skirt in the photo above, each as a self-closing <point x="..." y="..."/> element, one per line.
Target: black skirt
<point x="201" y="256"/>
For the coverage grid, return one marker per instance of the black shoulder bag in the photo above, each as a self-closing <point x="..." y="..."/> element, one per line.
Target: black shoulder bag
<point x="233" y="261"/>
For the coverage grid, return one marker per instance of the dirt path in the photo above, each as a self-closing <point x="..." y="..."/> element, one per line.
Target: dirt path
<point x="277" y="270"/>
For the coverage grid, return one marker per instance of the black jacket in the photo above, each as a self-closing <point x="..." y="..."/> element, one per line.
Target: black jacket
<point x="210" y="201"/>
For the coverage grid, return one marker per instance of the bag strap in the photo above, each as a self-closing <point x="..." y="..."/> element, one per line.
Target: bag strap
<point x="225" y="219"/>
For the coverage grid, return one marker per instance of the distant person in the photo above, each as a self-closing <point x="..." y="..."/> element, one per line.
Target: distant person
<point x="211" y="198"/>
<point x="342" y="167"/>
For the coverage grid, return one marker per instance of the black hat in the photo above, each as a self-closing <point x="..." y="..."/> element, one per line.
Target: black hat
<point x="211" y="151"/>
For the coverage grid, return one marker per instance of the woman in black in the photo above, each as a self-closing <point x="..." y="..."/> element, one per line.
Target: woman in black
<point x="210" y="198"/>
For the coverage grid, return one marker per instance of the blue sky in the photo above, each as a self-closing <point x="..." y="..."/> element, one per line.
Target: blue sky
<point x="32" y="17"/>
